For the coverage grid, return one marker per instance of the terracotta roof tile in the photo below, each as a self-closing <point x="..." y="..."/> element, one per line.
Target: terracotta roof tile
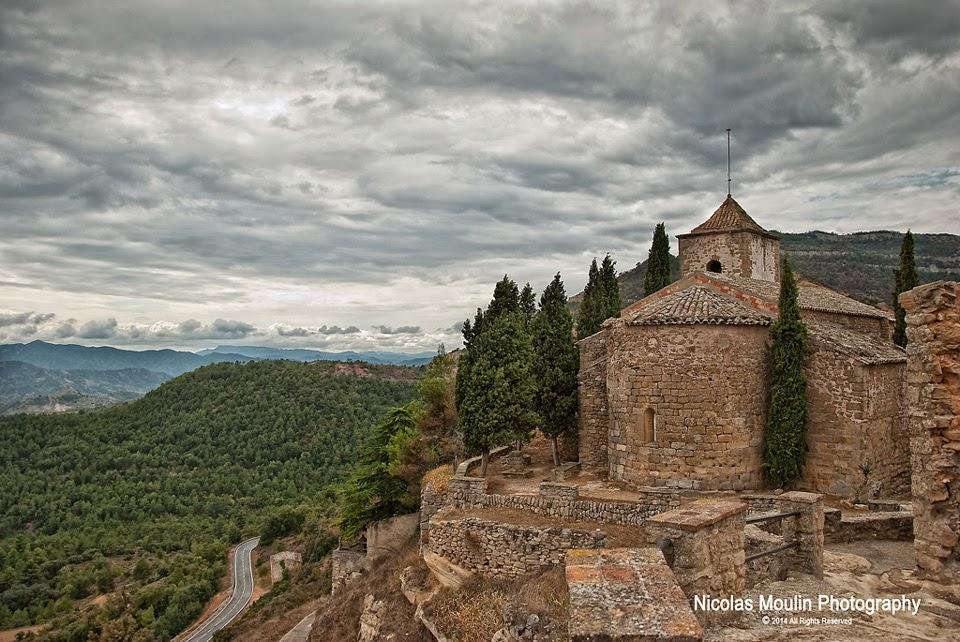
<point x="729" y="217"/>
<point x="812" y="296"/>
<point x="698" y="304"/>
<point x="866" y="348"/>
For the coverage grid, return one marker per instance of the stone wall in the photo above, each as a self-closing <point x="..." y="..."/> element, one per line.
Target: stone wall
<point x="704" y="544"/>
<point x="497" y="549"/>
<point x="563" y="501"/>
<point x="285" y="560"/>
<point x="740" y="253"/>
<point x="705" y="386"/>
<point x="593" y="412"/>
<point x="628" y="595"/>
<point x="874" y="525"/>
<point x="933" y="398"/>
<point x="878" y="327"/>
<point x="345" y="565"/>
<point x="854" y="417"/>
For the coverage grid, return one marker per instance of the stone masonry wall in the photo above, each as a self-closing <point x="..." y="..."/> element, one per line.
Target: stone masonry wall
<point x="933" y="398"/>
<point x="867" y="325"/>
<point x="706" y="385"/>
<point x="562" y="501"/>
<point x="497" y="549"/>
<point x="594" y="415"/>
<point x="741" y="254"/>
<point x="704" y="544"/>
<point x="854" y="417"/>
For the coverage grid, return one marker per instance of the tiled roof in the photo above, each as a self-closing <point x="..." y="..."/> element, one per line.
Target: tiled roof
<point x="812" y="296"/>
<point x="729" y="217"/>
<point x="866" y="348"/>
<point x="698" y="304"/>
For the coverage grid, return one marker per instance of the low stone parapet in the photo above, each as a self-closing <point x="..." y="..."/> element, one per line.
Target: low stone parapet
<point x="620" y="595"/>
<point x="499" y="549"/>
<point x="565" y="492"/>
<point x="703" y="542"/>
<point x="806" y="529"/>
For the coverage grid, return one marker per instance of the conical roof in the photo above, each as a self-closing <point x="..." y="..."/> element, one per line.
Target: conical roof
<point x="729" y="217"/>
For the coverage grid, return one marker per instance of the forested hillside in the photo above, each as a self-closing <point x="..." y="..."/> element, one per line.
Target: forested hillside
<point x="138" y="503"/>
<point x="27" y="388"/>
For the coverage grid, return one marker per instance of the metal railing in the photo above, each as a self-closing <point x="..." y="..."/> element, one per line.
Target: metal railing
<point x="769" y="518"/>
<point x="772" y="516"/>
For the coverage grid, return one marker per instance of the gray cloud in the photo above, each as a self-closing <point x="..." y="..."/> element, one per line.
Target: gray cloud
<point x="98" y="329"/>
<point x="347" y="162"/>
<point x="404" y="329"/>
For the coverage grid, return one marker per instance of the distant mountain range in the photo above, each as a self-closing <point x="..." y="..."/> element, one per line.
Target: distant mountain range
<point x="27" y="388"/>
<point x="299" y="354"/>
<point x="859" y="265"/>
<point x="50" y="377"/>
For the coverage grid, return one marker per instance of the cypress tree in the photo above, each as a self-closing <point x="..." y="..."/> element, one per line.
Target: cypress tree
<point x="658" y="262"/>
<point x="612" y="304"/>
<point x="785" y="445"/>
<point x="495" y="394"/>
<point x="495" y="384"/>
<point x="905" y="278"/>
<point x="557" y="361"/>
<point x="587" y="321"/>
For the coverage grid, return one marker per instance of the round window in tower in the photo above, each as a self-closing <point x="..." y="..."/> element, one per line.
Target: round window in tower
<point x="714" y="266"/>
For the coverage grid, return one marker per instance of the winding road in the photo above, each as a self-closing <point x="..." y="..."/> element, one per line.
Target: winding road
<point x="239" y="596"/>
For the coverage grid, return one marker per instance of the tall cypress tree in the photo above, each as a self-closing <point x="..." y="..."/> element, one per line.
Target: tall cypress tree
<point x="612" y="304"/>
<point x="905" y="278"/>
<point x="658" y="262"/>
<point x="785" y="445"/>
<point x="495" y="395"/>
<point x="587" y="316"/>
<point x="495" y="384"/>
<point x="557" y="361"/>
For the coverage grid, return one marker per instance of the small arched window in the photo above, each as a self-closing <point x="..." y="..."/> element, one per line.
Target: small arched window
<point x="714" y="266"/>
<point x="649" y="426"/>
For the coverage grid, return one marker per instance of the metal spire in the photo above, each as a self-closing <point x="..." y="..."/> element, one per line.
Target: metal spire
<point x="728" y="161"/>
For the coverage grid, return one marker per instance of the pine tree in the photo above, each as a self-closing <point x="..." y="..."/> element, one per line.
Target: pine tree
<point x="612" y="304"/>
<point x="506" y="298"/>
<point x="905" y="278"/>
<point x="528" y="302"/>
<point x="495" y="396"/>
<point x="557" y="362"/>
<point x="587" y="315"/>
<point x="785" y="445"/>
<point x="658" y="262"/>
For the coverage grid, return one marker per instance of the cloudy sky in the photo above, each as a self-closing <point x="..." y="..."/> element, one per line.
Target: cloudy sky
<point x="357" y="175"/>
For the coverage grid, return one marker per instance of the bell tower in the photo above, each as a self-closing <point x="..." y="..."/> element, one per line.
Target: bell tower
<point x="730" y="242"/>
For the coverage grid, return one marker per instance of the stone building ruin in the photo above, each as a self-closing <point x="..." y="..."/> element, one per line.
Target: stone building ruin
<point x="674" y="391"/>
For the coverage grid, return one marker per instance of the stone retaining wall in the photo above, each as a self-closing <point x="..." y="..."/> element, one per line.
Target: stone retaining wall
<point x="562" y="501"/>
<point x="497" y="549"/>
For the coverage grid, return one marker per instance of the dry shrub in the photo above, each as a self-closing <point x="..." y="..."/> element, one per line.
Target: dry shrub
<point x="439" y="478"/>
<point x="472" y="614"/>
<point x="546" y="595"/>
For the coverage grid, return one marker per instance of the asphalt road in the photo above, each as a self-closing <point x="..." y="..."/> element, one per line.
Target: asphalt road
<point x="239" y="598"/>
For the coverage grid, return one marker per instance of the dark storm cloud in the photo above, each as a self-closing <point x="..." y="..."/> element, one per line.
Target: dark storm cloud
<point x="181" y="156"/>
<point x="404" y="329"/>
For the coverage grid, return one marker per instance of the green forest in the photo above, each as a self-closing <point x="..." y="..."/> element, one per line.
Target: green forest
<point x="141" y="501"/>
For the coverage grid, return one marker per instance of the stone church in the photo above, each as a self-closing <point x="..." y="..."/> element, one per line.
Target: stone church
<point x="674" y="391"/>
